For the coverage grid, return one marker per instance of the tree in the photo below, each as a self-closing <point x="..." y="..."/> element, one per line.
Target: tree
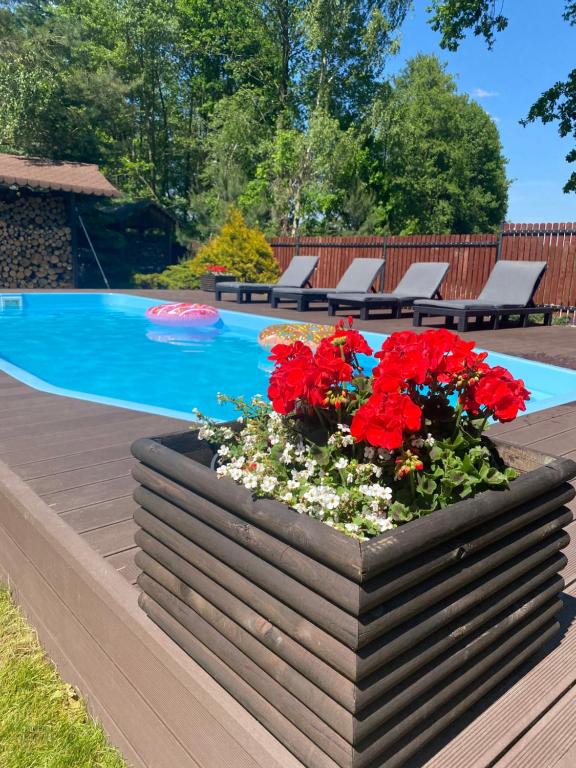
<point x="302" y="184"/>
<point x="453" y="18"/>
<point x="439" y="164"/>
<point x="278" y="106"/>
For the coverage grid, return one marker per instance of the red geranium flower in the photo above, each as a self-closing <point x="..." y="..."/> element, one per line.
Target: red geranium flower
<point x="499" y="392"/>
<point x="290" y="380"/>
<point x="384" y="419"/>
<point x="351" y="341"/>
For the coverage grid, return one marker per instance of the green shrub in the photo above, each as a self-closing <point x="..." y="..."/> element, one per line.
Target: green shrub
<point x="242" y="250"/>
<point x="174" y="277"/>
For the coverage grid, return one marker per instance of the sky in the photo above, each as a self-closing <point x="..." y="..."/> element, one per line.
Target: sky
<point x="536" y="50"/>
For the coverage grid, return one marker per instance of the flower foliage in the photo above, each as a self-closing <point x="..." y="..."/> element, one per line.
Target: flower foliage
<point x="365" y="450"/>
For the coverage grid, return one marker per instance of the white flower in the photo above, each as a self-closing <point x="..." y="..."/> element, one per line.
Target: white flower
<point x="341" y="463"/>
<point x="224" y="450"/>
<point x="331" y="501"/>
<point x="205" y="432"/>
<point x="349" y="478"/>
<point x="250" y="481"/>
<point x="268" y="484"/>
<point x="353" y="527"/>
<point x="293" y="484"/>
<point x="347" y="440"/>
<point x="376" y="491"/>
<point x="430" y="440"/>
<point x="343" y="428"/>
<point x="369" y="452"/>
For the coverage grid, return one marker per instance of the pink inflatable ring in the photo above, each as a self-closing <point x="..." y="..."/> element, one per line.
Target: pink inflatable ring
<point x="197" y="315"/>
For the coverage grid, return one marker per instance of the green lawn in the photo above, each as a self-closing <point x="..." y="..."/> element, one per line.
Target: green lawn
<point x="43" y="724"/>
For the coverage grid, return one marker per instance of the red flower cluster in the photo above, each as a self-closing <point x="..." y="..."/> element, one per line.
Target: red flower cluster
<point x="216" y="268"/>
<point x="385" y="418"/>
<point x="303" y="380"/>
<point x="412" y="368"/>
<point x="408" y="358"/>
<point x="497" y="391"/>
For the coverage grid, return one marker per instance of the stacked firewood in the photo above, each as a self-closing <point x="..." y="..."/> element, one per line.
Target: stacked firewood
<point x="35" y="243"/>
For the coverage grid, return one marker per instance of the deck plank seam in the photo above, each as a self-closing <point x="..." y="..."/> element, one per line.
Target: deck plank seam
<point x="64" y="471"/>
<point x="494" y="763"/>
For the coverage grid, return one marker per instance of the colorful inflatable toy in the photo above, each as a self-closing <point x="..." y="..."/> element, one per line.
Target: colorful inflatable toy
<point x="184" y="336"/>
<point x="193" y="315"/>
<point x="308" y="333"/>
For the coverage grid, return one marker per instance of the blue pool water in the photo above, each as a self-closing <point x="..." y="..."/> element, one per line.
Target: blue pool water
<point x="101" y="347"/>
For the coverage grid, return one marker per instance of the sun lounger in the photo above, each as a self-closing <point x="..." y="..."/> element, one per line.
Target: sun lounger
<point x="296" y="275"/>
<point x="357" y="279"/>
<point x="420" y="281"/>
<point x="509" y="291"/>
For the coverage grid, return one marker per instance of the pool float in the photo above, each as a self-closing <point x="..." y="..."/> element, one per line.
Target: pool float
<point x="195" y="315"/>
<point x="185" y="336"/>
<point x="287" y="333"/>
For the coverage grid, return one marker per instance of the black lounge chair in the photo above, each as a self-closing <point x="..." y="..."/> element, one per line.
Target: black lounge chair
<point x="357" y="279"/>
<point x="420" y="281"/>
<point x="509" y="291"/>
<point x="297" y="274"/>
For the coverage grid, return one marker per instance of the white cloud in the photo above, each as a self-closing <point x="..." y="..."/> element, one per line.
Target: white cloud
<point x="480" y="93"/>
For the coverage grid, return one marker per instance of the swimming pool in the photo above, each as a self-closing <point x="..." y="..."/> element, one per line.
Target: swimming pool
<point x="101" y="347"/>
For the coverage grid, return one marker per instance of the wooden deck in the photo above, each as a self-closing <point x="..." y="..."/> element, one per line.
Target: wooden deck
<point x="73" y="465"/>
<point x="76" y="456"/>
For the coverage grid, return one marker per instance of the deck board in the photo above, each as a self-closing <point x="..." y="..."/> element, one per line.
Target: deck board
<point x="76" y="456"/>
<point x="111" y="539"/>
<point x="85" y="459"/>
<point x="94" y="516"/>
<point x="76" y="478"/>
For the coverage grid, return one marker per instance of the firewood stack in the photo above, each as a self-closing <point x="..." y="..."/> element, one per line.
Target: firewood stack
<point x="35" y="243"/>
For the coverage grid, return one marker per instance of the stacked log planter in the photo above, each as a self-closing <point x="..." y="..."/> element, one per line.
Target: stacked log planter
<point x="352" y="654"/>
<point x="209" y="280"/>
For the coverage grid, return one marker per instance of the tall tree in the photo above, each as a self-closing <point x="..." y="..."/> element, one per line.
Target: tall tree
<point x="439" y="165"/>
<point x="454" y="18"/>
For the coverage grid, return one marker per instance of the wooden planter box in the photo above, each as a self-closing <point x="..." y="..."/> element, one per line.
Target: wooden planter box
<point x="208" y="280"/>
<point x="352" y="654"/>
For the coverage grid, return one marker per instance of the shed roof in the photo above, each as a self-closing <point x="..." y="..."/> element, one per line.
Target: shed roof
<point x="39" y="173"/>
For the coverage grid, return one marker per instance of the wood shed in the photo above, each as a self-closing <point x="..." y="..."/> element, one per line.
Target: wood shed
<point x="38" y="219"/>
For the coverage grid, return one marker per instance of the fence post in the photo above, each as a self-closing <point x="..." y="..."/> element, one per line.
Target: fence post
<point x="499" y="243"/>
<point x="297" y="246"/>
<point x="384" y="257"/>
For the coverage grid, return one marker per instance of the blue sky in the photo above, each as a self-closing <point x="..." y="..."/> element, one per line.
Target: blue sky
<point x="537" y="49"/>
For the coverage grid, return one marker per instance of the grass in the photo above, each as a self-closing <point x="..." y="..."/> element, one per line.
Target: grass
<point x="43" y="723"/>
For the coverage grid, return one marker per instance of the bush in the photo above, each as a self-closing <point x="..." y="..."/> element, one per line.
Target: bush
<point x="174" y="277"/>
<point x="242" y="250"/>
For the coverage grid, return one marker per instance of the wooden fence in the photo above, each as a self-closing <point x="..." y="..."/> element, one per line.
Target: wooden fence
<point x="471" y="257"/>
